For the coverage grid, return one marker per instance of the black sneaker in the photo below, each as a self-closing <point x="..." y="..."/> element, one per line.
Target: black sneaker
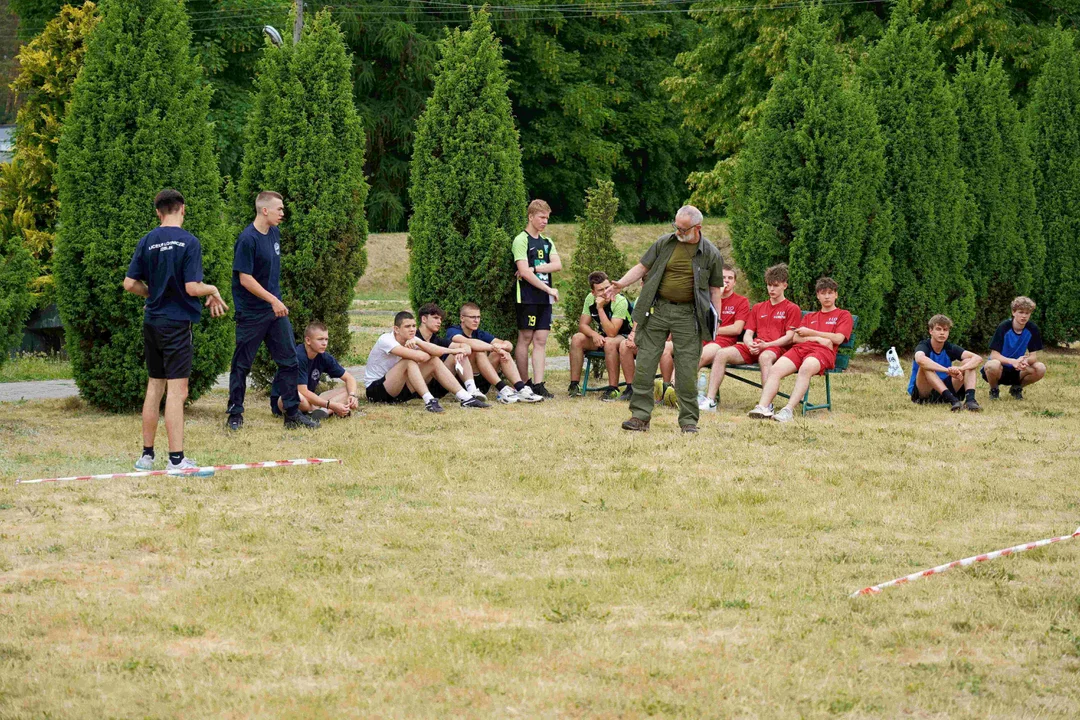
<point x="433" y="406"/>
<point x="300" y="420"/>
<point x="972" y="405"/>
<point x="1017" y="392"/>
<point x="475" y="403"/>
<point x="627" y="394"/>
<point x="235" y="422"/>
<point x="539" y="389"/>
<point x="319" y="414"/>
<point x="609" y="394"/>
<point x="957" y="405"/>
<point x="274" y="409"/>
<point x="689" y="428"/>
<point x="995" y="393"/>
<point x="573" y="390"/>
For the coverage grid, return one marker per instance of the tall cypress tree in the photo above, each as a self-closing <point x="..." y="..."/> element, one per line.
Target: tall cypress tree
<point x="1054" y="133"/>
<point x="306" y="141"/>
<point x="1007" y="251"/>
<point x="137" y="123"/>
<point x="810" y="182"/>
<point x="595" y="250"/>
<point x="934" y="212"/>
<point x="467" y="187"/>
<point x="17" y="268"/>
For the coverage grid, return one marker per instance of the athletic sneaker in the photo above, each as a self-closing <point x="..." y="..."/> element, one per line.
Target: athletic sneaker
<point x="300" y="420"/>
<point x="1017" y="392"/>
<point x="783" y="415"/>
<point x="474" y="403"/>
<point x="706" y="404"/>
<point x="761" y="413"/>
<point x="658" y="388"/>
<point x="627" y="394"/>
<point x="957" y="405"/>
<point x="274" y="409"/>
<point x="609" y="394"/>
<point x="319" y="414"/>
<point x="995" y="393"/>
<point x="146" y="462"/>
<point x="433" y="406"/>
<point x="526" y="394"/>
<point x="972" y="405"/>
<point x="478" y="394"/>
<point x="539" y="389"/>
<point x="506" y="396"/>
<point x="186" y="466"/>
<point x="573" y="390"/>
<point x="235" y="422"/>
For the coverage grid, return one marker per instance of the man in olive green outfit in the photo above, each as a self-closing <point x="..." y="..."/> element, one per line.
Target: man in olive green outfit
<point x="684" y="284"/>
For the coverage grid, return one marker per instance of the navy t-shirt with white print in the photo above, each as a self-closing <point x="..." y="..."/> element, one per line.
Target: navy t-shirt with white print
<point x="259" y="256"/>
<point x="311" y="370"/>
<point x="167" y="258"/>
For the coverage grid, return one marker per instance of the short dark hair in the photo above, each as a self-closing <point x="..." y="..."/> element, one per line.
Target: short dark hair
<point x="315" y="326"/>
<point x="168" y="201"/>
<point x="826" y="283"/>
<point x="469" y="306"/>
<point x="776" y="274"/>
<point x="401" y="317"/>
<point x="729" y="266"/>
<point x="430" y="309"/>
<point x="595" y="278"/>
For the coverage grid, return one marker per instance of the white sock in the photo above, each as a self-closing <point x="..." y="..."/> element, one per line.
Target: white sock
<point x="463" y="395"/>
<point x="470" y="385"/>
<point x="428" y="397"/>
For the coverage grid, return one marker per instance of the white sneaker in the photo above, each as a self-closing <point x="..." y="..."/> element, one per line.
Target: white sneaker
<point x="526" y="394"/>
<point x="784" y="415"/>
<point x="706" y="404"/>
<point x="507" y="396"/>
<point x="771" y="409"/>
<point x="761" y="413"/>
<point x="188" y="466"/>
<point x="475" y="392"/>
<point x="145" y="463"/>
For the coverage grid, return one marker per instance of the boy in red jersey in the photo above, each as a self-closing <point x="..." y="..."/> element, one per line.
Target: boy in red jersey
<point x="771" y="327"/>
<point x="817" y="339"/>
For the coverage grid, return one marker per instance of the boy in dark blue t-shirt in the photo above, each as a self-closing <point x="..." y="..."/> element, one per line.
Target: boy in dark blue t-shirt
<point x="166" y="269"/>
<point x="1013" y="360"/>
<point x="487" y="350"/>
<point x="260" y="314"/>
<point x="934" y="379"/>
<point x="313" y="364"/>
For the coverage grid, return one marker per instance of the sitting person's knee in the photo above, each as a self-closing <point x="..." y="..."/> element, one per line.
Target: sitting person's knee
<point x="992" y="366"/>
<point x="578" y="340"/>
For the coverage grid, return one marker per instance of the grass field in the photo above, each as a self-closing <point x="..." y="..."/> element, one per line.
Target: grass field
<point x="538" y="562"/>
<point x="25" y="367"/>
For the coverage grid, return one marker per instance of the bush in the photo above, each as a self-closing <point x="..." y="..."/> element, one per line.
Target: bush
<point x="137" y="123"/>
<point x="1007" y="251"/>
<point x="934" y="214"/>
<point x="809" y="184"/>
<point x="306" y="141"/>
<point x="1054" y="134"/>
<point x="16" y="270"/>
<point x="467" y="187"/>
<point x="596" y="250"/>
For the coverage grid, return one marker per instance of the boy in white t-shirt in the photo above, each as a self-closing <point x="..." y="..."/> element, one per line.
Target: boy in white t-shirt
<point x="398" y="370"/>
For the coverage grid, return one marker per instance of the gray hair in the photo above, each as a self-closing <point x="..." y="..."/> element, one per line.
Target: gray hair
<point x="691" y="213"/>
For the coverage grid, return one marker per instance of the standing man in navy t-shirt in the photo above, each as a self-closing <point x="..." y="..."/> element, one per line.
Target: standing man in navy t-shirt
<point x="1013" y="360"/>
<point x="166" y="269"/>
<point x="260" y="314"/>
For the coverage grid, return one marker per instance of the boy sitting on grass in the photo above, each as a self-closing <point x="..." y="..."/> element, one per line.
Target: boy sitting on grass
<point x="1013" y="360"/>
<point x="934" y="378"/>
<point x="313" y="364"/>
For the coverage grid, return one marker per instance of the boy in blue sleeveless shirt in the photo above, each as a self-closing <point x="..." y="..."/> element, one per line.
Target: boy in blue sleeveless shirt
<point x="1013" y="360"/>
<point x="934" y="379"/>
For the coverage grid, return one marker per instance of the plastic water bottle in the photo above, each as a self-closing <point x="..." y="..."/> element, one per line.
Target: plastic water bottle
<point x="702" y="383"/>
<point x="894" y="364"/>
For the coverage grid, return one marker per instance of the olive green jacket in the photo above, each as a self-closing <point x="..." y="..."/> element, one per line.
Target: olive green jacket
<point x="708" y="272"/>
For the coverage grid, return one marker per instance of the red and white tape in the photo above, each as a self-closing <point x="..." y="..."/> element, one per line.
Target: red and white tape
<point x="192" y="471"/>
<point x="964" y="563"/>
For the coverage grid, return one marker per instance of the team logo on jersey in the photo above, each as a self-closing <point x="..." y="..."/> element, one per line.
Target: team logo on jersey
<point x="277" y="248"/>
<point x="315" y="375"/>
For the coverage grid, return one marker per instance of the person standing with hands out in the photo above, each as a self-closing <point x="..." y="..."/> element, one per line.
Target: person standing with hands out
<point x="167" y="270"/>
<point x="260" y="314"/>
<point x="684" y="285"/>
<point x="536" y="259"/>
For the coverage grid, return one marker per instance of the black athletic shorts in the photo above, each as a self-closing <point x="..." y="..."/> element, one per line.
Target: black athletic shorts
<point x="534" y="316"/>
<point x="169" y="350"/>
<point x="376" y="393"/>
<point x="1009" y="375"/>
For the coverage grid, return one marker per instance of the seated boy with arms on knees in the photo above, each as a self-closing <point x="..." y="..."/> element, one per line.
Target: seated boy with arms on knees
<point x="398" y="370"/>
<point x="487" y="352"/>
<point x="1013" y="360"/>
<point x="314" y="363"/>
<point x="430" y="341"/>
<point x="770" y="328"/>
<point x="934" y="379"/>
<point x="817" y="339"/>
<point x="613" y="322"/>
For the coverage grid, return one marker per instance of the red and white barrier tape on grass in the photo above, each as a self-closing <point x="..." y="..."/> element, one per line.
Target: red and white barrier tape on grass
<point x="964" y="563"/>
<point x="192" y="471"/>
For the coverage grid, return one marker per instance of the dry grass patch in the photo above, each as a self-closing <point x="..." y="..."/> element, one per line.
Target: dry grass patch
<point x="536" y="561"/>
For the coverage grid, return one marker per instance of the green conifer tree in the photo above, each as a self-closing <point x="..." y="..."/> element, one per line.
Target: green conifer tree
<point x="306" y="141"/>
<point x="1007" y="251"/>
<point x="933" y="211"/>
<point x="467" y="187"/>
<point x="809" y="184"/>
<point x="17" y="268"/>
<point x="595" y="250"/>
<point x="137" y="123"/>
<point x="1054" y="133"/>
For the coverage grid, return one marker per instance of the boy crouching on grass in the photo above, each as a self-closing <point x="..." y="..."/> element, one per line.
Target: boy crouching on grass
<point x="934" y="378"/>
<point x="314" y="363"/>
<point x="1013" y="361"/>
<point x="817" y="338"/>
